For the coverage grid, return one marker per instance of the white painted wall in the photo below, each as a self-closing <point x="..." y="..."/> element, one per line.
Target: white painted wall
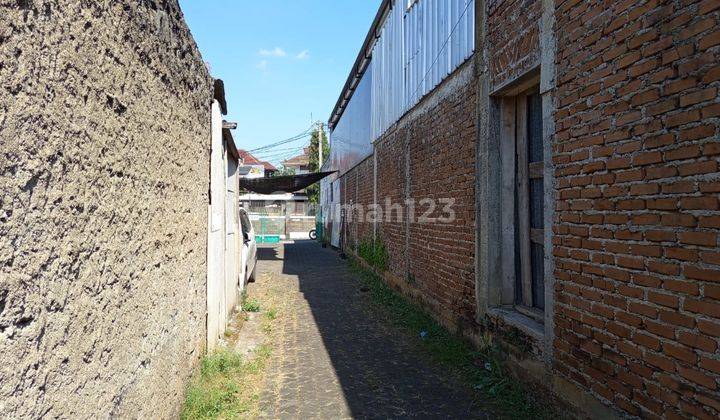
<point x="233" y="236"/>
<point x="216" y="233"/>
<point x="224" y="238"/>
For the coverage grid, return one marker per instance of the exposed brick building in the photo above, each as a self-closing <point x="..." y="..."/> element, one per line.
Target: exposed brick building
<point x="579" y="142"/>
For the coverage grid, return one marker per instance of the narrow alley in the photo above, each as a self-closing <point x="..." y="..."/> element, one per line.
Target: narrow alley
<point x="334" y="356"/>
<point x="217" y="210"/>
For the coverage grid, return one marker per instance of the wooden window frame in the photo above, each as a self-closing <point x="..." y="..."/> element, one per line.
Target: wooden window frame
<point x="517" y="173"/>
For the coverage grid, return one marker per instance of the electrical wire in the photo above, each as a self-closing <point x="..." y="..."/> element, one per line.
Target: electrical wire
<point x="271" y="147"/>
<point x="288" y="140"/>
<point x="276" y="151"/>
<point x="269" y="152"/>
<point x="282" y="155"/>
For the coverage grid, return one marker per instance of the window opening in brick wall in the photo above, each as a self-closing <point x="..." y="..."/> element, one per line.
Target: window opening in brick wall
<point x="537" y="194"/>
<point x="522" y="215"/>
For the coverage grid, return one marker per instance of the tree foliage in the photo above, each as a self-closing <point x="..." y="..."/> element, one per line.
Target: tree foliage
<point x="284" y="171"/>
<point x="313" y="191"/>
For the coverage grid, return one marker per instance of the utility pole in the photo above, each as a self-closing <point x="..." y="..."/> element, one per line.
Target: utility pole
<point x="320" y="145"/>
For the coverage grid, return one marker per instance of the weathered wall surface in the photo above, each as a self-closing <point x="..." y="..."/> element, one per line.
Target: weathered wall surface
<point x="104" y="139"/>
<point x="513" y="38"/>
<point x="638" y="220"/>
<point x="357" y="190"/>
<point x="427" y="155"/>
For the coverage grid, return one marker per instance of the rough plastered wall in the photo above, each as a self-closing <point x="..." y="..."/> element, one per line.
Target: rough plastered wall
<point x="638" y="216"/>
<point x="104" y="137"/>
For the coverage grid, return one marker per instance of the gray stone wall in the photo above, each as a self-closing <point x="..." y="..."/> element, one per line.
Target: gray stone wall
<point x="104" y="150"/>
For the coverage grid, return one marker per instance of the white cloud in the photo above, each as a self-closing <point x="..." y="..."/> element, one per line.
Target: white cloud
<point x="262" y="65"/>
<point x="275" y="52"/>
<point x="305" y="54"/>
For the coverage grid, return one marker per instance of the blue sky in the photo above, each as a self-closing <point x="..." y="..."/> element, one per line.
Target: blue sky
<point x="281" y="60"/>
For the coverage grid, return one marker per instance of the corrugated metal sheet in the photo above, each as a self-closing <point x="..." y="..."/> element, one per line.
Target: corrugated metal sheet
<point x="417" y="49"/>
<point x="351" y="140"/>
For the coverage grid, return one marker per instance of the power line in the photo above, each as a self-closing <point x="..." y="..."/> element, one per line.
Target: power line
<point x="282" y="154"/>
<point x="273" y="151"/>
<point x="272" y="146"/>
<point x="276" y="152"/>
<point x="281" y="142"/>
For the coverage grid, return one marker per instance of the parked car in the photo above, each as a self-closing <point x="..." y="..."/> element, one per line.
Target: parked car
<point x="249" y="248"/>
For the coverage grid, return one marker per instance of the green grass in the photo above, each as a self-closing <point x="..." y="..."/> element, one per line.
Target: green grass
<point x="221" y="390"/>
<point x="271" y="314"/>
<point x="249" y="305"/>
<point x="484" y="368"/>
<point x="216" y="393"/>
<point x="374" y="253"/>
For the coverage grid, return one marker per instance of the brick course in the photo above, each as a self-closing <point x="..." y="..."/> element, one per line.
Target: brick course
<point x="636" y="226"/>
<point x="637" y="125"/>
<point x="429" y="154"/>
<point x="513" y="38"/>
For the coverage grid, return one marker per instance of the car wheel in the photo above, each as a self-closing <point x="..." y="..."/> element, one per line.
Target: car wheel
<point x="313" y="234"/>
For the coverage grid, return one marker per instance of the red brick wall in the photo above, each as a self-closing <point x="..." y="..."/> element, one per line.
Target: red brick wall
<point x="358" y="184"/>
<point x="429" y="154"/>
<point x="391" y="181"/>
<point x="513" y="28"/>
<point x="637" y="221"/>
<point x="442" y="166"/>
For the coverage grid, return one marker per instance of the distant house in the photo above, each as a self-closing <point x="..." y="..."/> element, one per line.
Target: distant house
<point x="300" y="163"/>
<point x="251" y="164"/>
<point x="282" y="215"/>
<point x="269" y="168"/>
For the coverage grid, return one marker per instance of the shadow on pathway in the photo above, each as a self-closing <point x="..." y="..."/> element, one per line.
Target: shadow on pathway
<point x="335" y="358"/>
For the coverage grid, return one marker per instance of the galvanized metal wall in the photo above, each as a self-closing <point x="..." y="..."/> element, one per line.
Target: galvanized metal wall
<point x="351" y="140"/>
<point x="418" y="47"/>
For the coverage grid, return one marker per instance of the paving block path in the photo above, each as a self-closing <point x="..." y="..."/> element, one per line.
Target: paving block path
<point x="334" y="358"/>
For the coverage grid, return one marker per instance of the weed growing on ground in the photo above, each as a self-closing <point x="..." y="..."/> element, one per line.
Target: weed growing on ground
<point x="222" y="389"/>
<point x="374" y="253"/>
<point x="218" y="392"/>
<point x="271" y="314"/>
<point x="227" y="384"/>
<point x="484" y="368"/>
<point x="249" y="305"/>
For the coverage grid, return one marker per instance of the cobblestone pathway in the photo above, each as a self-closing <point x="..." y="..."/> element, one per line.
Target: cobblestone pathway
<point x="332" y="358"/>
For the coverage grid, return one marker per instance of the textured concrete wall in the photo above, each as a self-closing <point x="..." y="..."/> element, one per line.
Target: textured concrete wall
<point x="104" y="138"/>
